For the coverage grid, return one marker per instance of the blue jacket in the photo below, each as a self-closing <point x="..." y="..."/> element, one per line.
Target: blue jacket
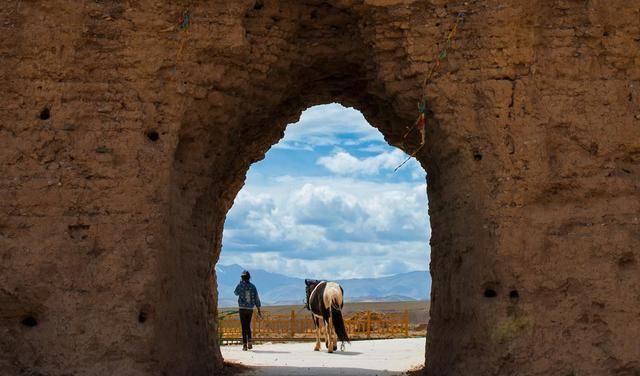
<point x="247" y="295"/>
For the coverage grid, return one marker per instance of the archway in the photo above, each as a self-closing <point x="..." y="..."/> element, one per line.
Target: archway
<point x="326" y="202"/>
<point x="126" y="135"/>
<point x="199" y="224"/>
<point x="223" y="132"/>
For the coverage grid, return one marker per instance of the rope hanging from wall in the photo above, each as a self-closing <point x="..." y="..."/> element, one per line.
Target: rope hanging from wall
<point x="421" y="121"/>
<point x="183" y="25"/>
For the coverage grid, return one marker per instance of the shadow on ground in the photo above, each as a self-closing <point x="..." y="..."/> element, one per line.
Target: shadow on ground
<point x="347" y="353"/>
<point x="319" y="371"/>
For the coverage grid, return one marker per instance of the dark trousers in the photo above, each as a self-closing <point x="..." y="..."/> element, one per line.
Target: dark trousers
<point x="245" y="321"/>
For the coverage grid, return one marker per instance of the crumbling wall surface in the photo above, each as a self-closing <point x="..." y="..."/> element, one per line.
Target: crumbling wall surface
<point x="547" y="132"/>
<point x="127" y="128"/>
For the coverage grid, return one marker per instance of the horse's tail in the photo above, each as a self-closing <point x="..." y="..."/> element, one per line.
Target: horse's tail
<point x="338" y="324"/>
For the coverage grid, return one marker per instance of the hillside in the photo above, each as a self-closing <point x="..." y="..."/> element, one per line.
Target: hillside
<point x="280" y="289"/>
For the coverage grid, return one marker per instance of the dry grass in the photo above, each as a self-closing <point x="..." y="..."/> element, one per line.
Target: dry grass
<point x="418" y="314"/>
<point x="418" y="310"/>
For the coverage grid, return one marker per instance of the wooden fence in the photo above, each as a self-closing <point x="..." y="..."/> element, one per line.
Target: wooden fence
<point x="298" y="326"/>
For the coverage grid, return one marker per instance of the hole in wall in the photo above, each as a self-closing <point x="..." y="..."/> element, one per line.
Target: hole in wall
<point x="153" y="136"/>
<point x="258" y="5"/>
<point x="146" y="313"/>
<point x="514" y="295"/>
<point x="45" y="114"/>
<point x="78" y="231"/>
<point x="477" y="156"/>
<point x="29" y="321"/>
<point x="490" y="293"/>
<point x="626" y="260"/>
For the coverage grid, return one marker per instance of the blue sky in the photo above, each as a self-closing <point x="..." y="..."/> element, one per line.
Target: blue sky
<point x="326" y="202"/>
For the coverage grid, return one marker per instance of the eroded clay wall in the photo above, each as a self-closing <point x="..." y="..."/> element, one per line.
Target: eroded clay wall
<point x="127" y="127"/>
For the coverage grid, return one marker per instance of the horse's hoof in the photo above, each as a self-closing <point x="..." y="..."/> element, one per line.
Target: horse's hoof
<point x="329" y="351"/>
<point x="335" y="348"/>
<point x="316" y="349"/>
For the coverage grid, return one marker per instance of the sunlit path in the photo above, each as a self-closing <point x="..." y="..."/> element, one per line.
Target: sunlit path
<point x="379" y="357"/>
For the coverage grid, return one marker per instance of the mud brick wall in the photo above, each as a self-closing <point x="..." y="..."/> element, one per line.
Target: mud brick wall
<point x="125" y="135"/>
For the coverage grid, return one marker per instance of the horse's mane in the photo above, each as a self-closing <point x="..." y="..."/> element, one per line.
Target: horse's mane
<point x="310" y="285"/>
<point x="310" y="282"/>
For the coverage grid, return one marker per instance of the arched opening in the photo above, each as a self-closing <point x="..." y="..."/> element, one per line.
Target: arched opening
<point x="201" y="217"/>
<point x="327" y="202"/>
<point x="228" y="127"/>
<point x="329" y="191"/>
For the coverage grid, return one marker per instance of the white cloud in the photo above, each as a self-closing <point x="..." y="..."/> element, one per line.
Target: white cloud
<point x="337" y="226"/>
<point x="375" y="148"/>
<point x="417" y="172"/>
<point x="343" y="163"/>
<point x="343" y="222"/>
<point x="329" y="124"/>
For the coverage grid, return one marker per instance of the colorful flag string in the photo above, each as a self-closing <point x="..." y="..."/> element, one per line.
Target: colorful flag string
<point x="421" y="121"/>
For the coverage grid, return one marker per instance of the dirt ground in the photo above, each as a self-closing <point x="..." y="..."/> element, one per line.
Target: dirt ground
<point x="379" y="357"/>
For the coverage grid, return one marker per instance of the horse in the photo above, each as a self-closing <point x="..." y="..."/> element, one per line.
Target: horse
<point x="325" y="301"/>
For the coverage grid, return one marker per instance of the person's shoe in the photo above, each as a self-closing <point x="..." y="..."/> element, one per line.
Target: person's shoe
<point x="244" y="347"/>
<point x="249" y="346"/>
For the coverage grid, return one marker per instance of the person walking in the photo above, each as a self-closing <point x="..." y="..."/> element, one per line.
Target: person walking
<point x="247" y="299"/>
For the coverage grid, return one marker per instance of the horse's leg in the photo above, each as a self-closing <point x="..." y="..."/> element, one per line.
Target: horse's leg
<point x="335" y="339"/>
<point x="326" y="338"/>
<point x="316" y="323"/>
<point x="330" y="331"/>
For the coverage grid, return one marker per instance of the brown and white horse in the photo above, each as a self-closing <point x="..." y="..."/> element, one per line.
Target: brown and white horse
<point x="325" y="301"/>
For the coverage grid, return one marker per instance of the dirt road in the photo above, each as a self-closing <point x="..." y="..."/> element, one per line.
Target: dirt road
<point x="379" y="357"/>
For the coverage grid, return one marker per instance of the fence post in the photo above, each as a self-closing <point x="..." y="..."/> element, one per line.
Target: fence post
<point x="406" y="323"/>
<point x="293" y="323"/>
<point x="368" y="324"/>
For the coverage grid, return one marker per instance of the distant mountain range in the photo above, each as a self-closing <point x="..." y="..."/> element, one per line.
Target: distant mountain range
<point x="277" y="289"/>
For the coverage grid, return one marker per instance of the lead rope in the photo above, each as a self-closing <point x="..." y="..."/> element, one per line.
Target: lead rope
<point x="420" y="123"/>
